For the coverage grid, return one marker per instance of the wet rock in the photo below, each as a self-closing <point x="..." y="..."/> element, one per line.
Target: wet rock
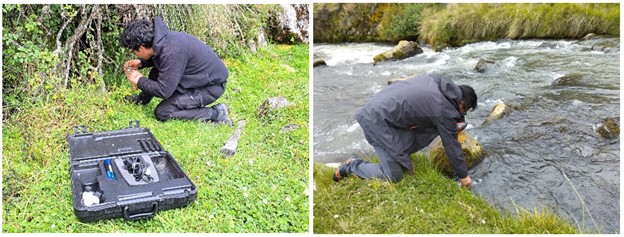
<point x="400" y="79"/>
<point x="272" y="104"/>
<point x="499" y="111"/>
<point x="404" y="49"/>
<point x="319" y="62"/>
<point x="609" y="128"/>
<point x="472" y="150"/>
<point x="483" y="65"/>
<point x="547" y="45"/>
<point x="591" y="36"/>
<point x="568" y="80"/>
<point x="395" y="79"/>
<point x="605" y="46"/>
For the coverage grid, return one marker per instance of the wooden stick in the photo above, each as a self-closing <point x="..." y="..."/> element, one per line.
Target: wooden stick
<point x="229" y="149"/>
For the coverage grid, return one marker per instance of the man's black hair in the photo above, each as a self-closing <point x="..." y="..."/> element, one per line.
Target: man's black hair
<point x="469" y="97"/>
<point x="138" y="33"/>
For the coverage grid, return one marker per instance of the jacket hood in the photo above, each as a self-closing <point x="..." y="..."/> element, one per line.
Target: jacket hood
<point x="452" y="92"/>
<point x="160" y="32"/>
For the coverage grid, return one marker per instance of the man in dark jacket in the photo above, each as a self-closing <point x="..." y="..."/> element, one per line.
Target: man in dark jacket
<point x="405" y="117"/>
<point x="185" y="73"/>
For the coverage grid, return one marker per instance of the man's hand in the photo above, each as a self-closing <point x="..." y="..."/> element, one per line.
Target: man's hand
<point x="133" y="64"/>
<point x="461" y="126"/>
<point x="466" y="182"/>
<point x="133" y="76"/>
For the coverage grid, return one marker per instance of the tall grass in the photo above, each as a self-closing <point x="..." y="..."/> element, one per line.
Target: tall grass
<point x="263" y="188"/>
<point x="227" y="28"/>
<point x="458" y="24"/>
<point x="426" y="203"/>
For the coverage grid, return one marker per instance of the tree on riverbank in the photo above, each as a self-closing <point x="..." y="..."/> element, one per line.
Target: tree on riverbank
<point x="444" y="25"/>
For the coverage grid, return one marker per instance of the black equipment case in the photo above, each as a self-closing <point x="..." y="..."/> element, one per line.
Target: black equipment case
<point x="124" y="173"/>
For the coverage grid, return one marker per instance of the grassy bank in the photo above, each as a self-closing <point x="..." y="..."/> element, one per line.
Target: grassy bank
<point x="425" y="203"/>
<point x="443" y="25"/>
<point x="263" y="188"/>
<point x="361" y="22"/>
<point x="458" y="24"/>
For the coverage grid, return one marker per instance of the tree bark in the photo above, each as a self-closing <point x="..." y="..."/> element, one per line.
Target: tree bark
<point x="71" y="42"/>
<point x="100" y="46"/>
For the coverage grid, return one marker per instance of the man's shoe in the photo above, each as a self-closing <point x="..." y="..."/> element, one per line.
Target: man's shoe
<point x="222" y="114"/>
<point x="133" y="99"/>
<point x="341" y="172"/>
<point x="136" y="99"/>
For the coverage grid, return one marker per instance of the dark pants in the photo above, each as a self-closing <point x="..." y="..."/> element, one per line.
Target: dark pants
<point x="190" y="105"/>
<point x="386" y="170"/>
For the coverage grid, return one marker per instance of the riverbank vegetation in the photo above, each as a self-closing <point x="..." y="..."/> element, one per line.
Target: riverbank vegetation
<point x="444" y="25"/>
<point x="263" y="188"/>
<point x="459" y="24"/>
<point x="426" y="203"/>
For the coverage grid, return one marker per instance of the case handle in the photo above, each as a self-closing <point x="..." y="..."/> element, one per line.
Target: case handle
<point x="136" y="216"/>
<point x="134" y="124"/>
<point x="80" y="129"/>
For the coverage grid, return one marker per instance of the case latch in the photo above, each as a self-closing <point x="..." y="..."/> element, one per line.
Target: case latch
<point x="134" y="124"/>
<point x="80" y="129"/>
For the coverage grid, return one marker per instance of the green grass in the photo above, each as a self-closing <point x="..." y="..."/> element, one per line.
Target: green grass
<point x="459" y="24"/>
<point x="263" y="188"/>
<point x="426" y="203"/>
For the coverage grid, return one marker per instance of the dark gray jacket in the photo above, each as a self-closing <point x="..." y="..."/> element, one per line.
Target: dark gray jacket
<point x="183" y="62"/>
<point x="406" y="116"/>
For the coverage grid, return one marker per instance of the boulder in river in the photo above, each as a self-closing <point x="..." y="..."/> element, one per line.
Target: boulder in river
<point x="404" y="49"/>
<point x="472" y="150"/>
<point x="390" y="81"/>
<point x="609" y="128"/>
<point x="483" y="64"/>
<point x="605" y="46"/>
<point x="592" y="36"/>
<point x="319" y="62"/>
<point x="573" y="79"/>
<point x="497" y="113"/>
<point x="547" y="45"/>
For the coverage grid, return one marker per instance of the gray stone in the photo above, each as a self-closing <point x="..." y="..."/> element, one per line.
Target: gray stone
<point x="229" y="149"/>
<point x="472" y="150"/>
<point x="609" y="128"/>
<point x="483" y="65"/>
<point x="404" y="49"/>
<point x="498" y="112"/>
<point x="272" y="104"/>
<point x="319" y="62"/>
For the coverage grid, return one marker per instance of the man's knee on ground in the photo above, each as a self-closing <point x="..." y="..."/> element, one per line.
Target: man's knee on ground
<point x="162" y="114"/>
<point x="395" y="177"/>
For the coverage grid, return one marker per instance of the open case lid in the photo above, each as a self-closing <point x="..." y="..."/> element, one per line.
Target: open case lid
<point x="84" y="145"/>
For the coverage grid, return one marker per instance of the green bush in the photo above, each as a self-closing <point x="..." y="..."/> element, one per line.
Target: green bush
<point x="402" y="21"/>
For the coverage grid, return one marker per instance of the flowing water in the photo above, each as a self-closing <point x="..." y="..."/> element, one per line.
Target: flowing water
<point x="544" y="154"/>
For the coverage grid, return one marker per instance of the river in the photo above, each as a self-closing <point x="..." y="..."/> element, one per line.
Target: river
<point x="544" y="154"/>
